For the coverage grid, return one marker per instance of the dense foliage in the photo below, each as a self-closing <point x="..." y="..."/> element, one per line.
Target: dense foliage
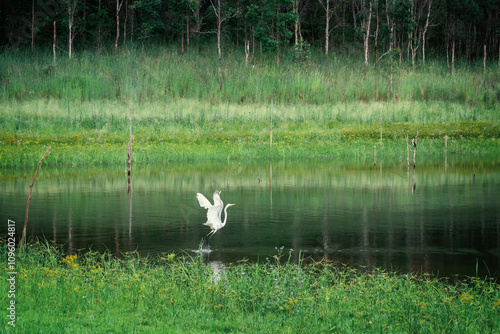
<point x="410" y="28"/>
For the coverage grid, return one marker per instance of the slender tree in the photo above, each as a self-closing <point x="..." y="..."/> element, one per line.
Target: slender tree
<point x="219" y="23"/>
<point x="424" y="32"/>
<point x="32" y="24"/>
<point x="328" y="15"/>
<point x="375" y="35"/>
<point x="222" y="16"/>
<point x="118" y="8"/>
<point x="297" y="33"/>
<point x="54" y="45"/>
<point x="367" y="18"/>
<point x="71" y="7"/>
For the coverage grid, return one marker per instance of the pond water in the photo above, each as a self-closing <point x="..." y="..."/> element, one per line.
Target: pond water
<point x="444" y="220"/>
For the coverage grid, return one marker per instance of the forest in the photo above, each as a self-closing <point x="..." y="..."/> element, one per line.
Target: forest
<point x="410" y="30"/>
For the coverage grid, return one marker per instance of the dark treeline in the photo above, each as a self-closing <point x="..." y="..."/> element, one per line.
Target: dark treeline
<point x="410" y="28"/>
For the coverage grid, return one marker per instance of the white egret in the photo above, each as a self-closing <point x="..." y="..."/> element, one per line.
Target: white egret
<point x="214" y="213"/>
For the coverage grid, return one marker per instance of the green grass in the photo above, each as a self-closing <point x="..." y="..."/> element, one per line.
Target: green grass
<point x="93" y="133"/>
<point x="99" y="293"/>
<point x="163" y="74"/>
<point x="293" y="141"/>
<point x="187" y="107"/>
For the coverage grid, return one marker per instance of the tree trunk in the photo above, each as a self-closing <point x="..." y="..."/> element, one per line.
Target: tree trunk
<point x="187" y="29"/>
<point x="391" y="34"/>
<point x="327" y="25"/>
<point x="125" y="23"/>
<point x="70" y="37"/>
<point x="117" y="25"/>
<point x="277" y="35"/>
<point x="453" y="56"/>
<point x="54" y="45"/>
<point x="296" y="27"/>
<point x="71" y="16"/>
<point x="484" y="59"/>
<point x="84" y="22"/>
<point x="354" y="18"/>
<point x="118" y="7"/>
<point x="425" y="31"/>
<point x="367" y="36"/>
<point x="247" y="51"/>
<point x="99" y="28"/>
<point x="132" y="25"/>
<point x="219" y="23"/>
<point x="327" y="29"/>
<point x="375" y="36"/>
<point x="32" y="24"/>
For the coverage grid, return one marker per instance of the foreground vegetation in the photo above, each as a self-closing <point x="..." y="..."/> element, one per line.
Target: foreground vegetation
<point x="99" y="293"/>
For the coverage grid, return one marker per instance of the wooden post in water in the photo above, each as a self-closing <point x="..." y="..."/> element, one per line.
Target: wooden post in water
<point x="407" y="162"/>
<point x="473" y="172"/>
<point x="381" y="144"/>
<point x="271" y="186"/>
<point x="29" y="199"/>
<point x="414" y="142"/>
<point x="129" y="155"/>
<point x="271" y="134"/>
<point x="407" y="154"/>
<point x="445" y="152"/>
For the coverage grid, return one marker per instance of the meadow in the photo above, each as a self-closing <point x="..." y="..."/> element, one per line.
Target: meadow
<point x="189" y="107"/>
<point x="165" y="74"/>
<point x="98" y="293"/>
<point x="86" y="136"/>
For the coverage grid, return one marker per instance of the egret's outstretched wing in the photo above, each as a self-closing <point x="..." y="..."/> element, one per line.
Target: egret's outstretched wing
<point x="214" y="211"/>
<point x="204" y="202"/>
<point x="218" y="203"/>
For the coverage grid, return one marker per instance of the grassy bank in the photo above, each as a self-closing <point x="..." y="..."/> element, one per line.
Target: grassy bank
<point x="94" y="133"/>
<point x="99" y="293"/>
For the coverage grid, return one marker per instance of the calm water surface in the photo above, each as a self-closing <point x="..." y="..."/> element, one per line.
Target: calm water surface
<point x="444" y="221"/>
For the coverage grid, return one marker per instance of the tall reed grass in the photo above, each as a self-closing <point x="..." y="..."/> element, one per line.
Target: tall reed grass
<point x="164" y="74"/>
<point x="98" y="293"/>
<point x="95" y="132"/>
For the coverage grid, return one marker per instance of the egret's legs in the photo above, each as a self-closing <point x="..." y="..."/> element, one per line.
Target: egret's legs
<point x="208" y="237"/>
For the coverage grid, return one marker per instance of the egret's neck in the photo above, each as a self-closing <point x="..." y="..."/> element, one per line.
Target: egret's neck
<point x="225" y="215"/>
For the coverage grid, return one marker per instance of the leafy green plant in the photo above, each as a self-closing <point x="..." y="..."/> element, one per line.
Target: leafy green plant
<point x="99" y="292"/>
